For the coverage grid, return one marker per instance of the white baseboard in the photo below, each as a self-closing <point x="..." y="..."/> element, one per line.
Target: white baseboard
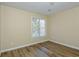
<point x="22" y="46"/>
<point x="36" y="43"/>
<point x="65" y="45"/>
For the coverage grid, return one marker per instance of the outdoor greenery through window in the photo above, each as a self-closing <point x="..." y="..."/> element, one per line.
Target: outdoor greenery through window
<point x="38" y="27"/>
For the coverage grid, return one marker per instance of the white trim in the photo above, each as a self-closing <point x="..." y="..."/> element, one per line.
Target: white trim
<point x="22" y="46"/>
<point x="36" y="43"/>
<point x="74" y="47"/>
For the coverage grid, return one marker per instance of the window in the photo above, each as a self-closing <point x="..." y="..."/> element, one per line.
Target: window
<point x="38" y="27"/>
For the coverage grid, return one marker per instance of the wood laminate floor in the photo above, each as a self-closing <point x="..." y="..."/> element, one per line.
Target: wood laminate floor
<point x="46" y="49"/>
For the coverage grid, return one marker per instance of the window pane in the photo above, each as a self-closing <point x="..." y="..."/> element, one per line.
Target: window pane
<point x="42" y="27"/>
<point x="35" y="27"/>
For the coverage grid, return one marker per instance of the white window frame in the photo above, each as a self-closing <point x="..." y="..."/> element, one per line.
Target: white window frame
<point x="39" y="33"/>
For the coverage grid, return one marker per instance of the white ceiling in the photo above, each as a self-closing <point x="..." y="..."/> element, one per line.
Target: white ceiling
<point x="42" y="7"/>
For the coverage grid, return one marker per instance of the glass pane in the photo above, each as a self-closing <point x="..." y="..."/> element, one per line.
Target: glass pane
<point x="42" y="27"/>
<point x="35" y="27"/>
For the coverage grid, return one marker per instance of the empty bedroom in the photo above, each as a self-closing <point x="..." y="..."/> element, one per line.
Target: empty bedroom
<point x="39" y="29"/>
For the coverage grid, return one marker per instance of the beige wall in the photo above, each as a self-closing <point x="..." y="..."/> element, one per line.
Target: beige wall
<point x="64" y="27"/>
<point x="0" y="27"/>
<point x="16" y="28"/>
